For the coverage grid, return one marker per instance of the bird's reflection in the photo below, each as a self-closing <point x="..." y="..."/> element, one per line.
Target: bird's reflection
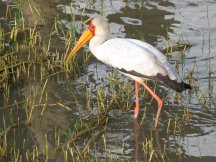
<point x="138" y="137"/>
<point x="158" y="144"/>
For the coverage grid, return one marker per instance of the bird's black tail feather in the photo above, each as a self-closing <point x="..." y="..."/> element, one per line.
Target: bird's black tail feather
<point x="177" y="86"/>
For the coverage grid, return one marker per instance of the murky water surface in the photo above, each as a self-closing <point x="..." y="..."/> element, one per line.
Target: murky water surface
<point x="182" y="22"/>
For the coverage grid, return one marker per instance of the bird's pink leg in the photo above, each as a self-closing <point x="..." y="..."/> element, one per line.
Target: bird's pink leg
<point x="159" y="101"/>
<point x="136" y="109"/>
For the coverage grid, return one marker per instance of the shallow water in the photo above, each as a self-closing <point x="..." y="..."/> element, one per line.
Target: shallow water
<point x="182" y="22"/>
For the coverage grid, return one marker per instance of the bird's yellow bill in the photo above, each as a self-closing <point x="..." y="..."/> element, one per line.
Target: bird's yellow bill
<point x="85" y="37"/>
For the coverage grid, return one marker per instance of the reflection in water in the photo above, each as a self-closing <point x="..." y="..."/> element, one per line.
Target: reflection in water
<point x="138" y="150"/>
<point x="136" y="139"/>
<point x="149" y="22"/>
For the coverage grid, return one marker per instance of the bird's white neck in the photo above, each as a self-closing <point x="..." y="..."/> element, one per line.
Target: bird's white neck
<point x="96" y="41"/>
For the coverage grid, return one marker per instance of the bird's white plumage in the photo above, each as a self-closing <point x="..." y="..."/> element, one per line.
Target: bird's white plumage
<point x="129" y="54"/>
<point x="162" y="60"/>
<point x="134" y="55"/>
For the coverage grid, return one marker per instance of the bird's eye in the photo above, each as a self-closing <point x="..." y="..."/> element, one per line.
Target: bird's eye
<point x="92" y="28"/>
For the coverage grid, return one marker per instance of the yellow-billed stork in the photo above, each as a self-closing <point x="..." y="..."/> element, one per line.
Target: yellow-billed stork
<point x="134" y="58"/>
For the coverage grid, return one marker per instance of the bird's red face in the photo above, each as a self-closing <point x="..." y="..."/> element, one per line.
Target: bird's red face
<point x="85" y="37"/>
<point x="92" y="28"/>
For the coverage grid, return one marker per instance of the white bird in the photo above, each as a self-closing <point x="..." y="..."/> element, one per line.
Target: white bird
<point x="134" y="58"/>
